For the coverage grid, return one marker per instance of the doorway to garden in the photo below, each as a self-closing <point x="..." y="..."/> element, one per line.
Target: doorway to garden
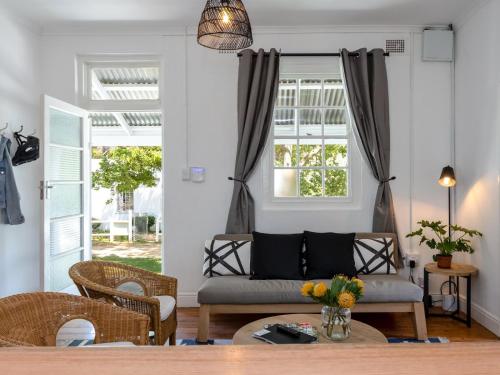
<point x="127" y="205"/>
<point x="124" y="101"/>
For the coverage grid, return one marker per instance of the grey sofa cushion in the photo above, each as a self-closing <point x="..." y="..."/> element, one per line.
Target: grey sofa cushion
<point x="239" y="290"/>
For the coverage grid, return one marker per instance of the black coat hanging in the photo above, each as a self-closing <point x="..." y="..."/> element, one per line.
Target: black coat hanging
<point x="28" y="150"/>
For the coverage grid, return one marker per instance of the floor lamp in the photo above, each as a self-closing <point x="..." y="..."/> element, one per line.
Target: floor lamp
<point x="448" y="180"/>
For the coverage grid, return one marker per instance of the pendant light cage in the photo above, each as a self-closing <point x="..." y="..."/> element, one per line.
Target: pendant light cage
<point x="224" y="25"/>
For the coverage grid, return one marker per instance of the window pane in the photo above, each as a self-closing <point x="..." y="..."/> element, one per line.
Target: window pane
<point x="284" y="122"/>
<point x="65" y="235"/>
<point x="311" y="153"/>
<point x="336" y="152"/>
<point x="59" y="270"/>
<point x="287" y="93"/>
<point x="310" y="122"/>
<point x="285" y="183"/>
<point x="336" y="183"/>
<point x="65" y="129"/>
<point x="125" y="83"/>
<point x="334" y="93"/>
<point x="285" y="153"/>
<point x="65" y="164"/>
<point x="311" y="184"/>
<point x="335" y="122"/>
<point x="65" y="200"/>
<point x="310" y="92"/>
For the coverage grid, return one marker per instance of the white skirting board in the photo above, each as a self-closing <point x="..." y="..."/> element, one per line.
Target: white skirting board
<point x="187" y="299"/>
<point x="482" y="316"/>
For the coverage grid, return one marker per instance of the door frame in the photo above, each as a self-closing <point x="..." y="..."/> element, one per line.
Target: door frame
<point x="84" y="63"/>
<point x="50" y="102"/>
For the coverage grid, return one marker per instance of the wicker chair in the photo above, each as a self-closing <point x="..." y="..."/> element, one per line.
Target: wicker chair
<point x="33" y="319"/>
<point x="107" y="281"/>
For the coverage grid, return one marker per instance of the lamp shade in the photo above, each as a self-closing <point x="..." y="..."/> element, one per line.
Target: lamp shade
<point x="224" y="25"/>
<point x="447" y="178"/>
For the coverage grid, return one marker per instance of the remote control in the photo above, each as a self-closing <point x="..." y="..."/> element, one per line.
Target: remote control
<point x="287" y="331"/>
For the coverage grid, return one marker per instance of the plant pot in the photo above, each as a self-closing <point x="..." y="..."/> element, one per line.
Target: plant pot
<point x="444" y="261"/>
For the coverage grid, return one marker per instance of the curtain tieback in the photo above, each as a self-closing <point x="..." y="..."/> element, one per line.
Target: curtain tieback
<point x="243" y="182"/>
<point x="388" y="180"/>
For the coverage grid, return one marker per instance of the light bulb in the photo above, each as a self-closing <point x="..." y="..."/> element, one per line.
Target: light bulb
<point x="225" y="17"/>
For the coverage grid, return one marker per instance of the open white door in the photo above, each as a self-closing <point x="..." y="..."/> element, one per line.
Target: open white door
<point x="65" y="191"/>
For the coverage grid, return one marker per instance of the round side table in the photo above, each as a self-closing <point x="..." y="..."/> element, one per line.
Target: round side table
<point x="456" y="271"/>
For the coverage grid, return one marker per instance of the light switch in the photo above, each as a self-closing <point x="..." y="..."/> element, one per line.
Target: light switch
<point x="186" y="174"/>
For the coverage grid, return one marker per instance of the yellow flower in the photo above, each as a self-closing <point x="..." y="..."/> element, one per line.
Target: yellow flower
<point x="307" y="288"/>
<point x="359" y="283"/>
<point x="346" y="300"/>
<point x="319" y="290"/>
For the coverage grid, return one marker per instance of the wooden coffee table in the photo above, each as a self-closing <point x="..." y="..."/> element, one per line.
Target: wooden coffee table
<point x="361" y="333"/>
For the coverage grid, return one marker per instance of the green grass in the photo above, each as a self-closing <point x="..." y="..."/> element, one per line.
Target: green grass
<point x="148" y="264"/>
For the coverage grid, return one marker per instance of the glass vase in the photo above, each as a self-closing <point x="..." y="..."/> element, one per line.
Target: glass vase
<point x="336" y="323"/>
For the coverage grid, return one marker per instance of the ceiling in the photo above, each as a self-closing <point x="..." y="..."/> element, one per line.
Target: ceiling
<point x="262" y="12"/>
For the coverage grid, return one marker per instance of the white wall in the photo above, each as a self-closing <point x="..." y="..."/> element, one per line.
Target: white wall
<point x="19" y="105"/>
<point x="478" y="152"/>
<point x="420" y="125"/>
<point x="420" y="116"/>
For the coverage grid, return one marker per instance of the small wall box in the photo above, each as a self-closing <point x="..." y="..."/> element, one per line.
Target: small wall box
<point x="438" y="45"/>
<point x="198" y="174"/>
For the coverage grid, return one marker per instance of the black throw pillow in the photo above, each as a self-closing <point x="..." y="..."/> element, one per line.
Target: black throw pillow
<point x="276" y="256"/>
<point x="329" y="254"/>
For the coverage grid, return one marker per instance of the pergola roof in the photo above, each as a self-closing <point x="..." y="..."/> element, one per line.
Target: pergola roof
<point x="125" y="83"/>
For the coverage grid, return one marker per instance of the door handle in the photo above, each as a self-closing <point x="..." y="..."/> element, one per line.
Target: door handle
<point x="44" y="190"/>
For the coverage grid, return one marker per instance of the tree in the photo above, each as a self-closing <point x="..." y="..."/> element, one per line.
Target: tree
<point x="311" y="156"/>
<point x="124" y="169"/>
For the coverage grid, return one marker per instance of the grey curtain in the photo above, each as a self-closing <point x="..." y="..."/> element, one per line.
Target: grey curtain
<point x="365" y="77"/>
<point x="258" y="81"/>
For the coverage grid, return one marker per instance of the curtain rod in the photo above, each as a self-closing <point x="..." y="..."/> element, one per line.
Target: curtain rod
<point x="336" y="54"/>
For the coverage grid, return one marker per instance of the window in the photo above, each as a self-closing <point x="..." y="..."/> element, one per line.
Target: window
<point x="123" y="81"/>
<point x="122" y="94"/>
<point x="119" y="83"/>
<point x="311" y="138"/>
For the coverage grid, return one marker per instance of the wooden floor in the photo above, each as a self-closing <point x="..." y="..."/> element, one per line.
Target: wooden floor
<point x="391" y="325"/>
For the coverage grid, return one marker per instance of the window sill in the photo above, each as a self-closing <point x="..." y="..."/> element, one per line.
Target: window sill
<point x="319" y="204"/>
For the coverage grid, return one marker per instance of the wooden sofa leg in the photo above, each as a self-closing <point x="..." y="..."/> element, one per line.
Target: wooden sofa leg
<point x="419" y="320"/>
<point x="203" y="323"/>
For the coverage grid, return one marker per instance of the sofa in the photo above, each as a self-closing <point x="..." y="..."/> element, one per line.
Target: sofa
<point x="384" y="293"/>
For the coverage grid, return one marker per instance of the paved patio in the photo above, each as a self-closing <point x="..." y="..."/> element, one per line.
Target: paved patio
<point x="127" y="250"/>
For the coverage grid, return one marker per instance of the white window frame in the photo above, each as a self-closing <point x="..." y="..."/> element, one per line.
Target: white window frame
<point x="310" y="68"/>
<point x="88" y="62"/>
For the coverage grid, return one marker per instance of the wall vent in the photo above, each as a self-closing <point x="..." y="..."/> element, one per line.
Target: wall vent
<point x="395" y="46"/>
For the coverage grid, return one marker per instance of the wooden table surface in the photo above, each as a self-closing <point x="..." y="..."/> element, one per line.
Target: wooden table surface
<point x="456" y="359"/>
<point x="457" y="269"/>
<point x="361" y="333"/>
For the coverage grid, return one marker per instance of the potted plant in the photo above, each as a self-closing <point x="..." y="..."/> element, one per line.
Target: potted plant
<point x="447" y="242"/>
<point x="337" y="302"/>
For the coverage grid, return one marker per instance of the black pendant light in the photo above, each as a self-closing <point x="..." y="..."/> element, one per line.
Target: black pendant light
<point x="224" y="25"/>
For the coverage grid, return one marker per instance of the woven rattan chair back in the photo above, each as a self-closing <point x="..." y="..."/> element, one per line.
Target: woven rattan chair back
<point x="34" y="319"/>
<point x="102" y="281"/>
